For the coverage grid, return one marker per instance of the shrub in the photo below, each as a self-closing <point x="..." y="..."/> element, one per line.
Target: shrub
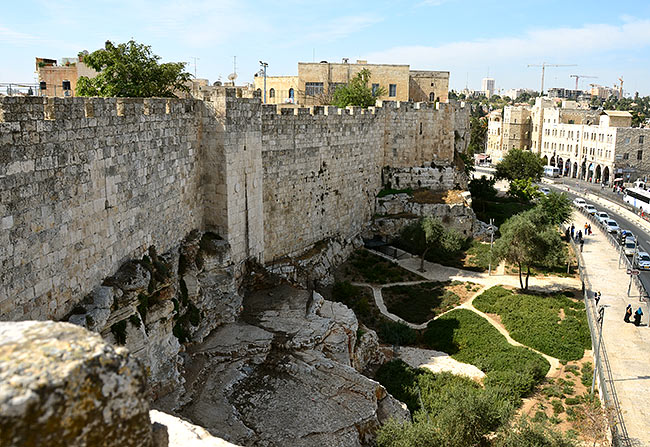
<point x="535" y="321"/>
<point x="537" y="434"/>
<point x="364" y="266"/>
<point x="396" y="333"/>
<point x="558" y="408"/>
<point x="470" y="338"/>
<point x="419" y="303"/>
<point x="587" y="371"/>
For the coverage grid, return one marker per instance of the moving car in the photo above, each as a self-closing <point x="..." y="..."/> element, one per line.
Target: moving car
<point x="642" y="260"/>
<point x="590" y="209"/>
<point x="629" y="247"/>
<point x="578" y="202"/>
<point x="544" y="190"/>
<point x="601" y="216"/>
<point x="611" y="225"/>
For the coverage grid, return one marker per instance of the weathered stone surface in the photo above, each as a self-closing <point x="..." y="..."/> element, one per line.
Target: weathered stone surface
<point x="185" y="434"/>
<point x="61" y="385"/>
<point x="284" y="376"/>
<point x="366" y="350"/>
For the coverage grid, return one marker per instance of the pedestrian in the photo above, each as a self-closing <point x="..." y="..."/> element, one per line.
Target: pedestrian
<point x="582" y="244"/>
<point x="579" y="235"/>
<point x="589" y="229"/>
<point x="637" y="317"/>
<point x="628" y="313"/>
<point x="567" y="234"/>
<point x="586" y="226"/>
<point x="597" y="297"/>
<point x="573" y="229"/>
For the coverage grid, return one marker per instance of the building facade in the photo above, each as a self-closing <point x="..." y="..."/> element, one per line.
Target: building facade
<point x="60" y="80"/>
<point x="487" y="86"/>
<point x="317" y="81"/>
<point x="509" y="128"/>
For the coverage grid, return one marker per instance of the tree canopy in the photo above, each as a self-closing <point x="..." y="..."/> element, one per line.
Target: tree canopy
<point x="131" y="70"/>
<point x="519" y="164"/>
<point x="429" y="233"/>
<point x="357" y="92"/>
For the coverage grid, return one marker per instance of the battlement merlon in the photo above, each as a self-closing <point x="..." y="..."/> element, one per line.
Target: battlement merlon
<point x="30" y="108"/>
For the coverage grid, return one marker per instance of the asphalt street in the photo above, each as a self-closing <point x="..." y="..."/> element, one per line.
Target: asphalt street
<point x="642" y="235"/>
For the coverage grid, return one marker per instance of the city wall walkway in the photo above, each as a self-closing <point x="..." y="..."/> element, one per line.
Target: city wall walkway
<point x="628" y="346"/>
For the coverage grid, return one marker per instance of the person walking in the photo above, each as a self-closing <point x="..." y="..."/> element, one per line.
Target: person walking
<point x="579" y="235"/>
<point x="582" y="244"/>
<point x="573" y="229"/>
<point x="637" y="317"/>
<point x="597" y="297"/>
<point x="628" y="313"/>
<point x="589" y="229"/>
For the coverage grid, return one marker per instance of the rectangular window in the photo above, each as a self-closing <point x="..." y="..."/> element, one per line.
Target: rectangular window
<point x="334" y="85"/>
<point x="375" y="87"/>
<point x="392" y="90"/>
<point x="313" y="88"/>
<point x="640" y="139"/>
<point x="639" y="155"/>
<point x="627" y="140"/>
<point x="626" y="156"/>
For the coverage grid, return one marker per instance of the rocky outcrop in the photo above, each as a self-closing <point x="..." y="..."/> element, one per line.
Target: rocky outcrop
<point x="396" y="211"/>
<point x="284" y="375"/>
<point x="180" y="433"/>
<point x="317" y="263"/>
<point x="61" y="385"/>
<point x="155" y="304"/>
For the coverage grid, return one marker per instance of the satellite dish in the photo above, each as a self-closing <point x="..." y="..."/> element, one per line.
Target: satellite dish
<point x="232" y="76"/>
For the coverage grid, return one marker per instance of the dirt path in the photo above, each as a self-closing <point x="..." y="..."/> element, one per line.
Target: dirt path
<point x="437" y="272"/>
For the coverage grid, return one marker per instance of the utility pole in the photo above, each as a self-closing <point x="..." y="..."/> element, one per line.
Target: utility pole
<point x="264" y="65"/>
<point x="544" y="65"/>
<point x="491" y="242"/>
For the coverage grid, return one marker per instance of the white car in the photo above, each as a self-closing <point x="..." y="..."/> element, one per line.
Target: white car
<point x="611" y="225"/>
<point x="642" y="260"/>
<point x="545" y="191"/>
<point x="590" y="209"/>
<point x="601" y="216"/>
<point x="629" y="247"/>
<point x="578" y="202"/>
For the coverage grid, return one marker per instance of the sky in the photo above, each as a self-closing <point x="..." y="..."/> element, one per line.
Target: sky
<point x="468" y="38"/>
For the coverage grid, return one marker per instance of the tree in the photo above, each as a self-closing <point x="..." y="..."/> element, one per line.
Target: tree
<point x="477" y="135"/>
<point x="519" y="164"/>
<point x="527" y="434"/>
<point x="483" y="188"/>
<point x="523" y="189"/>
<point x="429" y="233"/>
<point x="131" y="70"/>
<point x="357" y="92"/>
<point x="555" y="208"/>
<point x="526" y="242"/>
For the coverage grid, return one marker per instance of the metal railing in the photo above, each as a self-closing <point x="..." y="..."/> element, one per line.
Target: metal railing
<point x="602" y="369"/>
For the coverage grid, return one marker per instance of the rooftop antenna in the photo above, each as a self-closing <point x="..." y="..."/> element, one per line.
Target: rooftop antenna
<point x="234" y="65"/>
<point x="232" y="77"/>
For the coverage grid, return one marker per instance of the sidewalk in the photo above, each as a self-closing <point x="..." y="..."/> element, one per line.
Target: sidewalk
<point x="628" y="346"/>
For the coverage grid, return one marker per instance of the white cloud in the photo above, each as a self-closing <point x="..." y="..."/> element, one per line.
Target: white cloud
<point x="12" y="37"/>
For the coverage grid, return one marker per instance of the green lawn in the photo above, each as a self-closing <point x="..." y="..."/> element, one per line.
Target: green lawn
<point x="419" y="303"/>
<point x="552" y="324"/>
<point x="470" y="338"/>
<point x="363" y="266"/>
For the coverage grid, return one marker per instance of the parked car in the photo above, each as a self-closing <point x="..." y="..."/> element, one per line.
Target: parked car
<point x="642" y="260"/>
<point x="623" y="235"/>
<point x="601" y="216"/>
<point x="578" y="202"/>
<point x="611" y="225"/>
<point x="544" y="190"/>
<point x="629" y="247"/>
<point x="590" y="209"/>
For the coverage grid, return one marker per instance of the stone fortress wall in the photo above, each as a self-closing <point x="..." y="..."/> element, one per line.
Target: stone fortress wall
<point x="88" y="183"/>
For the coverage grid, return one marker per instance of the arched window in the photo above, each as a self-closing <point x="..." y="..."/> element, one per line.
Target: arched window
<point x="272" y="93"/>
<point x="291" y="93"/>
<point x="432" y="97"/>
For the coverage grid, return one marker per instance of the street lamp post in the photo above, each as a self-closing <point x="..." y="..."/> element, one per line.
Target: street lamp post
<point x="597" y="356"/>
<point x="264" y="65"/>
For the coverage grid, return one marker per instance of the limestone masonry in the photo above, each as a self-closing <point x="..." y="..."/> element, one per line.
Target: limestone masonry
<point x="87" y="184"/>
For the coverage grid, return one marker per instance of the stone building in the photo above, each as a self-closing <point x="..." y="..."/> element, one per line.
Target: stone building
<point x="317" y="81"/>
<point x="61" y="80"/>
<point x="601" y="152"/>
<point x="509" y="128"/>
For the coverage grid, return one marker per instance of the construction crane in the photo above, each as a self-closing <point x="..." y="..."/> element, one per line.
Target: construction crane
<point x="581" y="76"/>
<point x="544" y="65"/>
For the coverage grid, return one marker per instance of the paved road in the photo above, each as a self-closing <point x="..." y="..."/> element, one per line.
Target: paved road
<point x="624" y="220"/>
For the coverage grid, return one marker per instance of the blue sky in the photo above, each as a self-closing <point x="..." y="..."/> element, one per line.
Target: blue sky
<point x="466" y="37"/>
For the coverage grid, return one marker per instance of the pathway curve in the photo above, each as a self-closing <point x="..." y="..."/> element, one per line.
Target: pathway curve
<point x="437" y="272"/>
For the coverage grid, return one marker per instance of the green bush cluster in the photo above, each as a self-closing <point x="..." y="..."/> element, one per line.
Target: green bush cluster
<point x="535" y="321"/>
<point x="419" y="303"/>
<point x="448" y="409"/>
<point x="469" y="338"/>
<point x="479" y="256"/>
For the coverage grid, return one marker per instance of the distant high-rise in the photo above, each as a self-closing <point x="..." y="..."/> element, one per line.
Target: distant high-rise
<point x="487" y="85"/>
